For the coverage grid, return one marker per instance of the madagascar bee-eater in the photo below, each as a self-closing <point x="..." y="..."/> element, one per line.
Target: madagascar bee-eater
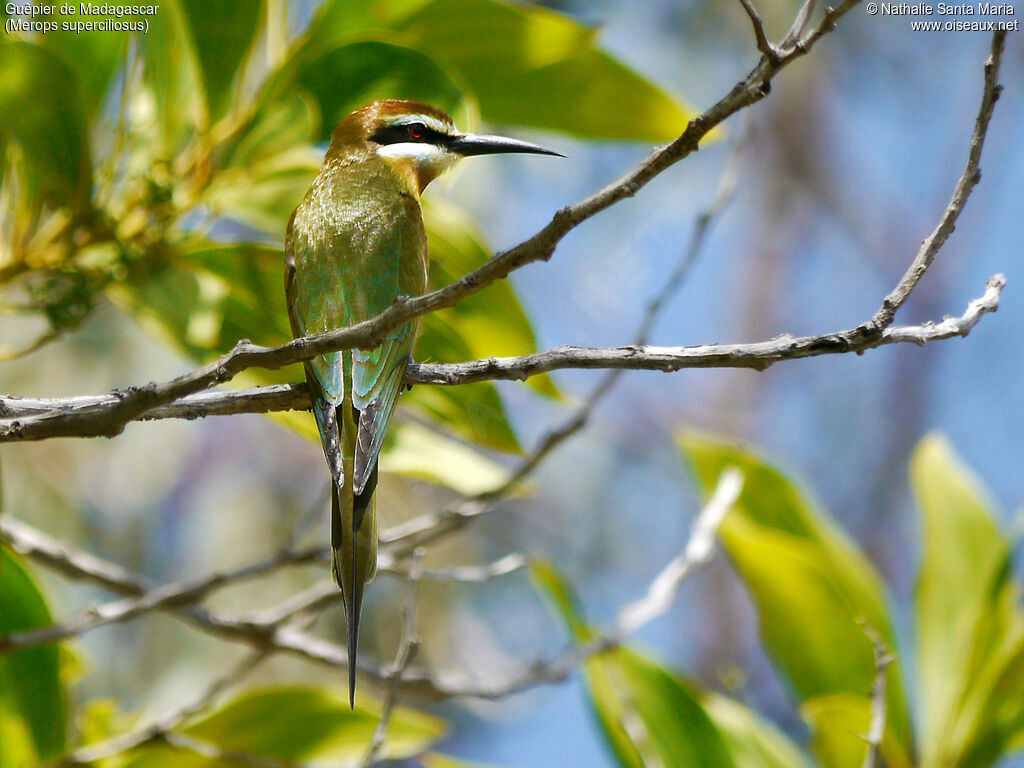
<point x="354" y="244"/>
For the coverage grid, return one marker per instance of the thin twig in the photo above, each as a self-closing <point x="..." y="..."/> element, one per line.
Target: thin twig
<point x="760" y="36"/>
<point x="160" y="598"/>
<point x="407" y="647"/>
<point x="698" y="551"/>
<point x="879" y="701"/>
<point x="968" y="179"/>
<point x="26" y="422"/>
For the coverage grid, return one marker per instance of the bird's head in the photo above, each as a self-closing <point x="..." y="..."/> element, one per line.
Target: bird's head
<point x="419" y="141"/>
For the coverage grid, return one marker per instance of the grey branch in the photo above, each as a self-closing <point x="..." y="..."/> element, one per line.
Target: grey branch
<point x="769" y="51"/>
<point x="698" y="551"/>
<point x="407" y="647"/>
<point x="109" y="417"/>
<point x="33" y="419"/>
<point x="143" y="598"/>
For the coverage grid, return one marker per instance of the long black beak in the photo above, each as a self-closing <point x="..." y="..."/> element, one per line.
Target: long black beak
<point x="467" y="144"/>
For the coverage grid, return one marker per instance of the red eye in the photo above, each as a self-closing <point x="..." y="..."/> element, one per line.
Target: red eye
<point x="416" y="130"/>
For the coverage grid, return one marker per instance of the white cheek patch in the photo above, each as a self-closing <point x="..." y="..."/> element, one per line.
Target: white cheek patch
<point x="423" y="155"/>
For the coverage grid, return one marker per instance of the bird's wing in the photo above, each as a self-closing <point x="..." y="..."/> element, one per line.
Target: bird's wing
<point x="325" y="373"/>
<point x="377" y="379"/>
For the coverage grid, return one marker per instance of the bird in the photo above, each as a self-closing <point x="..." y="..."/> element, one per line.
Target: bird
<point x="354" y="244"/>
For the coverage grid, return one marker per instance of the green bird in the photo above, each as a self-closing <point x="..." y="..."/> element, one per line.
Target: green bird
<point x="354" y="244"/>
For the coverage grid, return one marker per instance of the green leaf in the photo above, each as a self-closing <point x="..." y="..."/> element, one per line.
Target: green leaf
<point x="264" y="192"/>
<point x="299" y="723"/>
<point x="559" y="594"/>
<point x="30" y="689"/>
<point x="348" y="76"/>
<point x="521" y="64"/>
<point x="752" y="742"/>
<point x="172" y="73"/>
<point x="288" y="125"/>
<point x="812" y="587"/>
<point x="94" y="56"/>
<point x="840" y="723"/>
<point x="222" y="31"/>
<point x="51" y="132"/>
<point x="970" y="626"/>
<point x="648" y="715"/>
<point x="526" y="65"/>
<point x="415" y="451"/>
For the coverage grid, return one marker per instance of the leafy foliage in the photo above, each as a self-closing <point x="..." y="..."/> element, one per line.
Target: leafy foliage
<point x="651" y="715"/>
<point x="970" y="626"/>
<point x="816" y="595"/>
<point x="32" y="725"/>
<point x="813" y="589"/>
<point x="297" y="723"/>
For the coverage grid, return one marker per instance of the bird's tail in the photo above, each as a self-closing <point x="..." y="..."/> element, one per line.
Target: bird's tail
<point x="354" y="557"/>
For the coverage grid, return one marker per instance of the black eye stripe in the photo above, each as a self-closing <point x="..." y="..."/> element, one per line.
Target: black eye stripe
<point x="403" y="133"/>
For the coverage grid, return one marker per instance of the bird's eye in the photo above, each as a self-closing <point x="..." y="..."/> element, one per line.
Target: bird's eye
<point x="416" y="130"/>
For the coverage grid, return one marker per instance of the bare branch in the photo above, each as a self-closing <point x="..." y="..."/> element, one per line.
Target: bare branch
<point x="760" y="36"/>
<point x="142" y="601"/>
<point x="33" y="416"/>
<point x="632" y="617"/>
<point x="698" y="551"/>
<point x="968" y="179"/>
<point x="267" y="630"/>
<point x="110" y="418"/>
<point x="407" y="647"/>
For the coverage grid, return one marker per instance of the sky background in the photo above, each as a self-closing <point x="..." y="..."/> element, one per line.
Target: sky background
<point x="851" y="162"/>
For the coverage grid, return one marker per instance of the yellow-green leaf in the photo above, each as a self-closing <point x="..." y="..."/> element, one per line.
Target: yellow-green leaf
<point x="416" y="451"/>
<point x="172" y="73"/>
<point x="223" y="32"/>
<point x="752" y="741"/>
<point x="52" y="132"/>
<point x="296" y="723"/>
<point x="813" y="589"/>
<point x="648" y="714"/>
<point x="526" y="65"/>
<point x="840" y="723"/>
<point x="94" y="56"/>
<point x="969" y="622"/>
<point x="346" y="76"/>
<point x="521" y="64"/>
<point x="31" y="696"/>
